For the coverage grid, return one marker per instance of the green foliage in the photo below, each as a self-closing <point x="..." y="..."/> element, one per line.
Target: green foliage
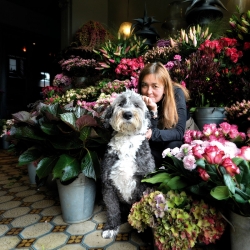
<point x="64" y="143"/>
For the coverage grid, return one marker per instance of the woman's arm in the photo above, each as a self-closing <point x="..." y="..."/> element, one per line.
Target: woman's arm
<point x="178" y="131"/>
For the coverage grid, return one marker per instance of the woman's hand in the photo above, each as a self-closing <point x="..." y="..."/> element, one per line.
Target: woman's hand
<point x="148" y="134"/>
<point x="150" y="104"/>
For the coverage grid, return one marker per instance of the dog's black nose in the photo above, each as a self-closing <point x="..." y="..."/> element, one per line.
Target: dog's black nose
<point x="127" y="115"/>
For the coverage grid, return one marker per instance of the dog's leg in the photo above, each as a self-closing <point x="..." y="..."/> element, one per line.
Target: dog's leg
<point x="111" y="201"/>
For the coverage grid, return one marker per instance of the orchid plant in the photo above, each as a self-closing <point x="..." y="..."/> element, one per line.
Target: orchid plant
<point x="210" y="165"/>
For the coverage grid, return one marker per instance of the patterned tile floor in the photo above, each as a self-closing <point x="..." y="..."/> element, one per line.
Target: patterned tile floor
<point x="31" y="219"/>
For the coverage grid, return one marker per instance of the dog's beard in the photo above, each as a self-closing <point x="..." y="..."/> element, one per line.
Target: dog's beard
<point x="122" y="125"/>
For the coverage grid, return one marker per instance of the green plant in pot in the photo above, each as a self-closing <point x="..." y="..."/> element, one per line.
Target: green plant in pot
<point x="66" y="142"/>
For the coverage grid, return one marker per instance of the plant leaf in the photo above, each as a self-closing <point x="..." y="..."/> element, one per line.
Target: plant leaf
<point x="84" y="133"/>
<point x="158" y="178"/>
<point x="45" y="166"/>
<point x="66" y="168"/>
<point x="220" y="193"/>
<point x="70" y="119"/>
<point x="177" y="183"/>
<point x="244" y="176"/>
<point x="85" y="121"/>
<point x="52" y="111"/>
<point x="29" y="156"/>
<point x="89" y="163"/>
<point x="229" y="183"/>
<point x="48" y="127"/>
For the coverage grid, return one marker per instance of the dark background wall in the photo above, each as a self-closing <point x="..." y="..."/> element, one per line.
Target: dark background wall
<point x="46" y="27"/>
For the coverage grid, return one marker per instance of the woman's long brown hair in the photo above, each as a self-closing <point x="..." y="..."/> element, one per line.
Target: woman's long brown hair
<point x="170" y="115"/>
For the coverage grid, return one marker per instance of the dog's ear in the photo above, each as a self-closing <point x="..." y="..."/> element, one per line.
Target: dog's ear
<point x="107" y="114"/>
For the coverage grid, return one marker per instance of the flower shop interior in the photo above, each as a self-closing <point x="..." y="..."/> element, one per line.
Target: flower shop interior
<point x="63" y="62"/>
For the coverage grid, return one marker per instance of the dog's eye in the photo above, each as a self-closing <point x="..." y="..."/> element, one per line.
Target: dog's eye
<point x="136" y="105"/>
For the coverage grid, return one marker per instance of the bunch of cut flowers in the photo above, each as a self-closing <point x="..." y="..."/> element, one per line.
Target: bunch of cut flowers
<point x="178" y="220"/>
<point x="210" y="165"/>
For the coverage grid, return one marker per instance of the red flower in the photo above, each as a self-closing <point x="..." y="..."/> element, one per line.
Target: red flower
<point x="246" y="46"/>
<point x="213" y="155"/>
<point x="203" y="174"/>
<point x="230" y="166"/>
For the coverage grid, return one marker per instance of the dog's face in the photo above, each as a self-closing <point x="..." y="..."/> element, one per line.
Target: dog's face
<point x="128" y="114"/>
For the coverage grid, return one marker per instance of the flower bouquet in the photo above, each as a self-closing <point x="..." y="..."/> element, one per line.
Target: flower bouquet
<point x="210" y="165"/>
<point x="178" y="221"/>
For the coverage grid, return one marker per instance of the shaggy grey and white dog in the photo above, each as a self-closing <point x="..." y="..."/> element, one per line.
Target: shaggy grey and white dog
<point x="127" y="159"/>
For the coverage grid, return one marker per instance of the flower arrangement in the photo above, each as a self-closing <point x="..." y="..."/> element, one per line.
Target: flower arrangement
<point x="213" y="168"/>
<point x="77" y="66"/>
<point x="112" y="52"/>
<point x="216" y="67"/>
<point x="62" y="80"/>
<point x="239" y="113"/>
<point x="199" y="74"/>
<point x="177" y="219"/>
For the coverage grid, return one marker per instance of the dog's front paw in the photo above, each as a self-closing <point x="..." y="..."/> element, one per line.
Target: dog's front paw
<point x="110" y="233"/>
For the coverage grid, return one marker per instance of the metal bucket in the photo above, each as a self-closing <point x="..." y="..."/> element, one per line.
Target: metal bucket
<point x="77" y="199"/>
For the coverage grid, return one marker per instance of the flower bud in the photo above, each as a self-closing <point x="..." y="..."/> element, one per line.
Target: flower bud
<point x="245" y="22"/>
<point x="206" y="32"/>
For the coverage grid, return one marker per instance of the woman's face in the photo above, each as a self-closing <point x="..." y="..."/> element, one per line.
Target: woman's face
<point x="152" y="87"/>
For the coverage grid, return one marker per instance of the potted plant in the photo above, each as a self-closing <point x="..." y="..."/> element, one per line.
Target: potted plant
<point x="67" y="143"/>
<point x="211" y="165"/>
<point x="178" y="221"/>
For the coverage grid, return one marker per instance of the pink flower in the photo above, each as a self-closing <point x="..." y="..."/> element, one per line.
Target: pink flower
<point x="203" y="174"/>
<point x="230" y="166"/>
<point x="189" y="162"/>
<point x="177" y="58"/>
<point x="244" y="153"/>
<point x="213" y="155"/>
<point x="225" y="127"/>
<point x="198" y="151"/>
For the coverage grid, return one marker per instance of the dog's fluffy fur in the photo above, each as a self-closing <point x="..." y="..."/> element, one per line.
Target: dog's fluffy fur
<point x="127" y="159"/>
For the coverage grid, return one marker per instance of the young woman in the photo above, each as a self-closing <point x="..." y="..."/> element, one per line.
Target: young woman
<point x="166" y="101"/>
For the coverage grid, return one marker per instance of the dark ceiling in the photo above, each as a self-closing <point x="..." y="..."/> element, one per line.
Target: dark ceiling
<point x="50" y="8"/>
